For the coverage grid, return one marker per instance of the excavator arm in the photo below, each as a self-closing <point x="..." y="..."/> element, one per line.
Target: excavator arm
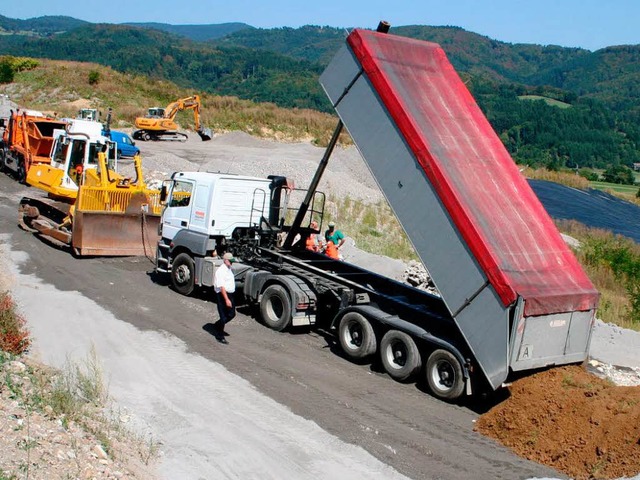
<point x="167" y="121"/>
<point x="189" y="103"/>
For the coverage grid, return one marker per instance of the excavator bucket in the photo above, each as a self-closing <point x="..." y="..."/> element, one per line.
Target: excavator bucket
<point x="133" y="231"/>
<point x="205" y="134"/>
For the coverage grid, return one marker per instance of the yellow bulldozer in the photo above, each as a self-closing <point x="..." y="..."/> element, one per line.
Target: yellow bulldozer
<point x="89" y="206"/>
<point x="159" y="122"/>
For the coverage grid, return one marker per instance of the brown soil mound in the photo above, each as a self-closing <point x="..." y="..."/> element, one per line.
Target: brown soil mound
<point x="572" y="421"/>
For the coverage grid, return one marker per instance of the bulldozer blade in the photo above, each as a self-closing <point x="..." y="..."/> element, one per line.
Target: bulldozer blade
<point x="205" y="134"/>
<point x="115" y="234"/>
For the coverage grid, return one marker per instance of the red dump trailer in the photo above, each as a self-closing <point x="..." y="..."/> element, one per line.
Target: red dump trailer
<point x="516" y="291"/>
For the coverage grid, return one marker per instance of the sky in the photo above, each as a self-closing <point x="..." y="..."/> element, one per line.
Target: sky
<point x="590" y="24"/>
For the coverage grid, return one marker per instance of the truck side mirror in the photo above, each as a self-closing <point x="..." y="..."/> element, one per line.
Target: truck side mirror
<point x="163" y="194"/>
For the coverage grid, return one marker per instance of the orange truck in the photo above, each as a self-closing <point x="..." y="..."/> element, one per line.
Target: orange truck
<point x="27" y="140"/>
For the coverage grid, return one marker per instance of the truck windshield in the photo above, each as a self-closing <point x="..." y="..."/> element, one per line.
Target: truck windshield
<point x="181" y="194"/>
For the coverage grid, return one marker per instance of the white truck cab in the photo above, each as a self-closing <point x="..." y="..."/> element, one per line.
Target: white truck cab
<point x="203" y="211"/>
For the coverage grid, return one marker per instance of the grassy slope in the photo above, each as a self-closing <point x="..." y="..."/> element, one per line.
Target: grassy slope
<point x="63" y="87"/>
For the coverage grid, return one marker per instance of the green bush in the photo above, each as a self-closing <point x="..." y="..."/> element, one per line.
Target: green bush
<point x="590" y="175"/>
<point x="9" y="66"/>
<point x="94" y="77"/>
<point x="618" y="254"/>
<point x="7" y="73"/>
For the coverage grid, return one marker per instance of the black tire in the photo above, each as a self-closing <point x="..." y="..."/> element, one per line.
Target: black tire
<point x="356" y="335"/>
<point x="275" y="308"/>
<point x="22" y="171"/>
<point x="400" y="355"/>
<point x="444" y="375"/>
<point x="183" y="274"/>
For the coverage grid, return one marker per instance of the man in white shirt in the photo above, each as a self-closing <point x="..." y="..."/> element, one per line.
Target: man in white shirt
<point x="225" y="284"/>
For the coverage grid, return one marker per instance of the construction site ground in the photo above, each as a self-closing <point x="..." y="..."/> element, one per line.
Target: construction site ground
<point x="274" y="405"/>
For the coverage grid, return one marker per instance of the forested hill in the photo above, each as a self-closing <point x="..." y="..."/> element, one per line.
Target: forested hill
<point x="199" y="33"/>
<point x="587" y="113"/>
<point x="40" y="26"/>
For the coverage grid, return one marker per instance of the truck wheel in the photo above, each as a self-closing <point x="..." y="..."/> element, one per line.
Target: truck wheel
<point x="444" y="375"/>
<point x="275" y="307"/>
<point x="356" y="335"/>
<point x="183" y="274"/>
<point x="22" y="172"/>
<point x="400" y="355"/>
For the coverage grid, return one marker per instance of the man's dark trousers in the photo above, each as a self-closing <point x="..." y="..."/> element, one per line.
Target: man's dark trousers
<point x="225" y="313"/>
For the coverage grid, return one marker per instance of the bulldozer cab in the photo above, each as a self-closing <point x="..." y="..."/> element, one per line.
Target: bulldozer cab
<point x="76" y="161"/>
<point x="91" y="114"/>
<point x="77" y="154"/>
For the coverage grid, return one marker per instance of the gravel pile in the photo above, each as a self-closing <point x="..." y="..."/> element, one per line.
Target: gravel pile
<point x="240" y="153"/>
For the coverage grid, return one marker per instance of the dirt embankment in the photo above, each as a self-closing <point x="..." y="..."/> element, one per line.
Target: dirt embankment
<point x="571" y="420"/>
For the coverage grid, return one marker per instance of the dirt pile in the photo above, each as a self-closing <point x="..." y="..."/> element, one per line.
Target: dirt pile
<point x="572" y="421"/>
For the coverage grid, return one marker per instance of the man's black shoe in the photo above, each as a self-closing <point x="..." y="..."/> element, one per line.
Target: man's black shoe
<point x="223" y="340"/>
<point x="226" y="334"/>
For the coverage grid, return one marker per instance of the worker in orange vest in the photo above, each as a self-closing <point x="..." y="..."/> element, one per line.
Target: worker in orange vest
<point x="332" y="251"/>
<point x="78" y="173"/>
<point x="312" y="243"/>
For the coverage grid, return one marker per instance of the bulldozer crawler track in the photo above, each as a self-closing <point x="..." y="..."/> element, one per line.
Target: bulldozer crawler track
<point x="55" y="211"/>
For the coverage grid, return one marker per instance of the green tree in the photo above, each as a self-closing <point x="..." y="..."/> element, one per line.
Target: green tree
<point x="619" y="174"/>
<point x="6" y="71"/>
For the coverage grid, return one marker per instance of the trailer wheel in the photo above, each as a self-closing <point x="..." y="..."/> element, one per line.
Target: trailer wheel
<point x="183" y="274"/>
<point x="275" y="307"/>
<point x="356" y="335"/>
<point x="444" y="375"/>
<point x="400" y="355"/>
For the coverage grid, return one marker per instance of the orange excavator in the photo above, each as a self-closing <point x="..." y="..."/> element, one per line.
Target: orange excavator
<point x="159" y="123"/>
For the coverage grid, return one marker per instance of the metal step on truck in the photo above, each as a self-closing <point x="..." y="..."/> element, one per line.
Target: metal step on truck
<point x="513" y="297"/>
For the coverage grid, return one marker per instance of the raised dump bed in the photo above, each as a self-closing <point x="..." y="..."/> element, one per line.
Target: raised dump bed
<point x="35" y="135"/>
<point x="516" y="291"/>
